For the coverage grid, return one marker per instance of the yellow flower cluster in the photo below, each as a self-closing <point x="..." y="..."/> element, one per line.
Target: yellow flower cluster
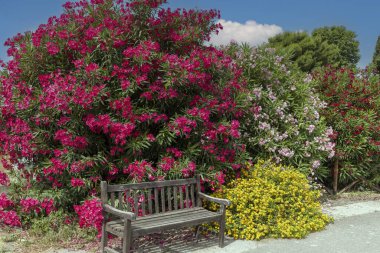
<point x="271" y="201"/>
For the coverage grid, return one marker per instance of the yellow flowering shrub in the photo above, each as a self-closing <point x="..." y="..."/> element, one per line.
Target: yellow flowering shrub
<point x="271" y="201"/>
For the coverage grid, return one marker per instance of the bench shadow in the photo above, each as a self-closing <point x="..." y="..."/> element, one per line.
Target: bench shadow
<point x="181" y="246"/>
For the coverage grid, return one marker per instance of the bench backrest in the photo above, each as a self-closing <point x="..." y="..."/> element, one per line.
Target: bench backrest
<point x="153" y="197"/>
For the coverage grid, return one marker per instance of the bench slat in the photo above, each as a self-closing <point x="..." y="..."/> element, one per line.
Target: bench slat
<point x="175" y="195"/>
<point x="180" y="197"/>
<point x="169" y="215"/>
<point x="192" y="195"/>
<point x="169" y="189"/>
<point x="163" y="215"/>
<point x="127" y="204"/>
<point x="164" y="222"/>
<point x="146" y="185"/>
<point x="187" y="196"/>
<point x="156" y="204"/>
<point x="163" y="199"/>
<point x="143" y="204"/>
<point x="110" y="250"/>
<point x="150" y="201"/>
<point x="136" y="203"/>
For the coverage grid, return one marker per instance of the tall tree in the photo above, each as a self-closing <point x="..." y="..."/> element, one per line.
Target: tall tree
<point x="306" y="51"/>
<point x="335" y="46"/>
<point x="344" y="39"/>
<point x="376" y="55"/>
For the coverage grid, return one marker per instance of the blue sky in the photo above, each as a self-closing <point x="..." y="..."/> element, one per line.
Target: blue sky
<point x="270" y="16"/>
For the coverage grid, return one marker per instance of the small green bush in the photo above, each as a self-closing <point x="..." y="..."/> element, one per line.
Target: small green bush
<point x="271" y="200"/>
<point x="58" y="227"/>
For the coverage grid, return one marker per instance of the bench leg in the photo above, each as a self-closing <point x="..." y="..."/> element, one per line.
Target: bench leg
<point x="221" y="233"/>
<point x="127" y="237"/>
<point x="104" y="235"/>
<point x="197" y="232"/>
<point x="127" y="245"/>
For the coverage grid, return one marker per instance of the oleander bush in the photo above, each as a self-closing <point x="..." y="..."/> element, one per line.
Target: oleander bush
<point x="271" y="200"/>
<point x="283" y="111"/>
<point x="353" y="110"/>
<point x="123" y="91"/>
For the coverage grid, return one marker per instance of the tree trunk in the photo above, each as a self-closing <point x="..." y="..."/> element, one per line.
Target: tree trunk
<point x="335" y="174"/>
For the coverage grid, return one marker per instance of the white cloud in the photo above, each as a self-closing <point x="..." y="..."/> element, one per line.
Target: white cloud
<point x="250" y="32"/>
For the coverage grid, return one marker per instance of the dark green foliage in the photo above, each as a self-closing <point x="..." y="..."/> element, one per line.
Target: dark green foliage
<point x="306" y="51"/>
<point x="376" y="55"/>
<point x="344" y="39"/>
<point x="335" y="46"/>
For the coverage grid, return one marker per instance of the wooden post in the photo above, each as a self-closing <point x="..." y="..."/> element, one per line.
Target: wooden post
<point x="127" y="236"/>
<point x="104" y="199"/>
<point x="335" y="174"/>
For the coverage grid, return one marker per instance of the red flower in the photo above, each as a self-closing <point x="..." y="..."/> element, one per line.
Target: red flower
<point x="4" y="180"/>
<point x="90" y="214"/>
<point x="10" y="218"/>
<point x="52" y="48"/>
<point x="77" y="182"/>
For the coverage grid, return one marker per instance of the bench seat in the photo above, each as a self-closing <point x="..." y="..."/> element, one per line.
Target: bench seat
<point x="158" y="222"/>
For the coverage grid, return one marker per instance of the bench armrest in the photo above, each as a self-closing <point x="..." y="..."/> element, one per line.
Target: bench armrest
<point x="119" y="213"/>
<point x="224" y="202"/>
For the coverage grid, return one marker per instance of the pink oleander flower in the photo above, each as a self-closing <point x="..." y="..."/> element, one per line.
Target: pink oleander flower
<point x="150" y="137"/>
<point x="10" y="218"/>
<point x="4" y="180"/>
<point x="77" y="182"/>
<point x="166" y="163"/>
<point x="90" y="214"/>
<point x="5" y="202"/>
<point x="52" y="48"/>
<point x="92" y="67"/>
<point x="138" y="170"/>
<point x="189" y="170"/>
<point x="219" y="176"/>
<point x="48" y="205"/>
<point x="29" y="205"/>
<point x="176" y="152"/>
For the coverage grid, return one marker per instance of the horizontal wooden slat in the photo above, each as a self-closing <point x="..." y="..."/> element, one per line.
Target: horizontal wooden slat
<point x="172" y="214"/>
<point x="147" y="185"/>
<point x="110" y="250"/>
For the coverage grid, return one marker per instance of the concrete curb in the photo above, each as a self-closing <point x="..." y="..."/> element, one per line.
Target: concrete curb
<point x="339" y="212"/>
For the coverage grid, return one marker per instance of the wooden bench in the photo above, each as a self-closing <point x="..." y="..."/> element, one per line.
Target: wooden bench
<point x="150" y="207"/>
